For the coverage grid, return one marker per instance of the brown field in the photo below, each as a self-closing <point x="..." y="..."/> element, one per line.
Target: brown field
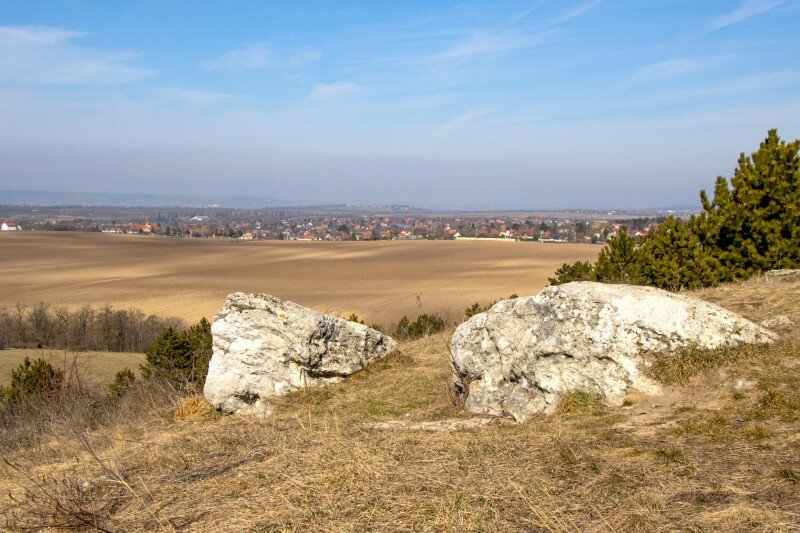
<point x="189" y="278"/>
<point x="97" y="367"/>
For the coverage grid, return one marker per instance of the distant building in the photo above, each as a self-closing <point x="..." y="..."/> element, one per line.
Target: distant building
<point x="199" y="218"/>
<point x="10" y="225"/>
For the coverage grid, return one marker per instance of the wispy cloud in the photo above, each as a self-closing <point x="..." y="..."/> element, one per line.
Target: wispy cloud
<point x="574" y="12"/>
<point x="677" y="67"/>
<point x="462" y="119"/>
<point x="36" y="34"/>
<point x="746" y="10"/>
<point x="48" y="55"/>
<point x="333" y="90"/>
<point x="521" y="15"/>
<point x="248" y="57"/>
<point x="484" y="43"/>
<point x="255" y="56"/>
<point x="195" y="97"/>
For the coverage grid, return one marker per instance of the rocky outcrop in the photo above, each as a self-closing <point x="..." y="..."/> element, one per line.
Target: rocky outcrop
<point x="520" y="356"/>
<point x="786" y="274"/>
<point x="266" y="347"/>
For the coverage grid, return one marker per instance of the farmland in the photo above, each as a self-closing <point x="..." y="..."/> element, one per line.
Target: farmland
<point x="379" y="280"/>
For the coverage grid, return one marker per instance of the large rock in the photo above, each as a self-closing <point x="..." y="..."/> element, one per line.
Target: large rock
<point x="265" y="347"/>
<point x="520" y="356"/>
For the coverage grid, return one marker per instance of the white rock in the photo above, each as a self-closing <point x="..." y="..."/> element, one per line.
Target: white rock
<point x="265" y="347"/>
<point x="778" y="322"/>
<point x="786" y="274"/>
<point x="743" y="384"/>
<point x="520" y="356"/>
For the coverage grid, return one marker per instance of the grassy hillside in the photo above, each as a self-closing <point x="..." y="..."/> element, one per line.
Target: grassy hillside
<point x="388" y="451"/>
<point x="100" y="367"/>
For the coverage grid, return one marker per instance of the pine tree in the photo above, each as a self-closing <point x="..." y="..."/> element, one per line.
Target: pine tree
<point x="32" y="378"/>
<point x="578" y="271"/>
<point x="200" y="342"/>
<point x="751" y="225"/>
<point x="181" y="357"/>
<point x="673" y="258"/>
<point x="618" y="262"/>
<point x="169" y="356"/>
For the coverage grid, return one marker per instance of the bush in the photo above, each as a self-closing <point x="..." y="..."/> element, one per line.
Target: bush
<point x="619" y="260"/>
<point x="123" y="381"/>
<point x="424" y="324"/>
<point x="37" y="378"/>
<point x="673" y="258"/>
<point x="578" y="271"/>
<point x="181" y="357"/>
<point x="477" y="308"/>
<point x="354" y="318"/>
<point x="200" y="345"/>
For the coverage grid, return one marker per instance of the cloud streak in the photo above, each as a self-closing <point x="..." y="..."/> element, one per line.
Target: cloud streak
<point x="482" y="44"/>
<point x="576" y="11"/>
<point x="677" y="67"/>
<point x="258" y="56"/>
<point x="338" y="89"/>
<point x="48" y="55"/>
<point x="747" y="9"/>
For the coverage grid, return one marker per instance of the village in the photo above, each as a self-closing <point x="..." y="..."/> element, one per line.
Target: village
<point x="224" y="224"/>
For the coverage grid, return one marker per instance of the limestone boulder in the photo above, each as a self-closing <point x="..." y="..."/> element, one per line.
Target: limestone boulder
<point x="266" y="347"/>
<point x="518" y="358"/>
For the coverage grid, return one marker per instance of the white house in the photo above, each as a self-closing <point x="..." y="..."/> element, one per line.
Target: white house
<point x="9" y="225"/>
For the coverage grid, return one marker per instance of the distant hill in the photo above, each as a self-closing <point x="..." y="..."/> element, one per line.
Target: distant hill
<point x="88" y="199"/>
<point x="55" y="198"/>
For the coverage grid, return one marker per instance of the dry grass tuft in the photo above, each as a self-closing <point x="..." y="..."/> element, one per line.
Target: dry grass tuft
<point x="194" y="408"/>
<point x="581" y="403"/>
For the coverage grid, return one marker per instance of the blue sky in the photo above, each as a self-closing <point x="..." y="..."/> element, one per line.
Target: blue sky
<point x="530" y="104"/>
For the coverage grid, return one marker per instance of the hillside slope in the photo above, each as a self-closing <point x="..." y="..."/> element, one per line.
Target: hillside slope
<point x="719" y="450"/>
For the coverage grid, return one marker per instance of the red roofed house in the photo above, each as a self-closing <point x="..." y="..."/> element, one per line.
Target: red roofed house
<point x="10" y="225"/>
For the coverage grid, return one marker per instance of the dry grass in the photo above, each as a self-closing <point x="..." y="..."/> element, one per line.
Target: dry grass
<point x="194" y="408"/>
<point x="759" y="299"/>
<point x="100" y="367"/>
<point x="701" y="457"/>
<point x="190" y="278"/>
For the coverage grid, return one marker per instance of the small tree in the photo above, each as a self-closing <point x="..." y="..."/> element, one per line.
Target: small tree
<point x="578" y="271"/>
<point x="200" y="344"/>
<point x="673" y="258"/>
<point x="123" y="381"/>
<point x="619" y="260"/>
<point x="180" y="357"/>
<point x="169" y="356"/>
<point x="32" y="378"/>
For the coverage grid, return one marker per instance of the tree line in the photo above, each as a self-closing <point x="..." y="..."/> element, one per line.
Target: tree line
<point x="751" y="225"/>
<point x="88" y="328"/>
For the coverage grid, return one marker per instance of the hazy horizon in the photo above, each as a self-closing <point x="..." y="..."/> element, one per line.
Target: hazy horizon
<point x="594" y="104"/>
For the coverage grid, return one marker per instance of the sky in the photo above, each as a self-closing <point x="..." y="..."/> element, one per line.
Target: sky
<point x="537" y="104"/>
